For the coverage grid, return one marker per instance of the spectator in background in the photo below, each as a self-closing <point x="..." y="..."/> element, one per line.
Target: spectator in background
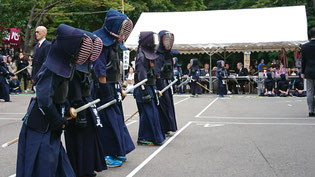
<point x="6" y="50"/>
<point x="14" y="83"/>
<point x="41" y="50"/>
<point x="11" y="64"/>
<point x="262" y="63"/>
<point x="22" y="63"/>
<point x="308" y="71"/>
<point x="205" y="72"/>
<point x="252" y="70"/>
<point x="130" y="78"/>
<point x="12" y="52"/>
<point x="299" y="87"/>
<point x="283" y="86"/>
<point x="241" y="71"/>
<point x="274" y="64"/>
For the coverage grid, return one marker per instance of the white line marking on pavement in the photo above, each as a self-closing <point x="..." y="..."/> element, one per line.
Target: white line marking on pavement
<point x="10" y="118"/>
<point x="290" y="105"/>
<point x="14" y="175"/>
<point x="181" y="101"/>
<point x="213" y="125"/>
<point x="246" y="123"/>
<point x="131" y="122"/>
<point x="9" y="113"/>
<point x="147" y="160"/>
<point x="256" y="118"/>
<point x="206" y="107"/>
<point x="180" y="95"/>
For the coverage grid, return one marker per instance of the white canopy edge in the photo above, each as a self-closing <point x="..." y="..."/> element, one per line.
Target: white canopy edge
<point x="255" y="30"/>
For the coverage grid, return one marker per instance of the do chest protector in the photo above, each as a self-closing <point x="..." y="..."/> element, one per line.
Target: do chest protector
<point x="113" y="65"/>
<point x="151" y="74"/>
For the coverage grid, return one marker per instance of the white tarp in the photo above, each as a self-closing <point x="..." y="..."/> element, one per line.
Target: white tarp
<point x="266" y="29"/>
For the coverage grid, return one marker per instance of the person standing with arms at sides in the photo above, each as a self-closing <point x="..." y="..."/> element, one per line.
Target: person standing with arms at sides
<point x="41" y="50"/>
<point x="241" y="71"/>
<point x="221" y="74"/>
<point x="117" y="142"/>
<point x="130" y="78"/>
<point x="308" y="71"/>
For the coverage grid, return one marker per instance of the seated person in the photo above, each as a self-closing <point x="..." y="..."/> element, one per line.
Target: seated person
<point x="283" y="86"/>
<point x="299" y="87"/>
<point x="269" y="86"/>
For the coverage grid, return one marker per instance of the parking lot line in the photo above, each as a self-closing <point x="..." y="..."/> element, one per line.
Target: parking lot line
<point x="256" y="123"/>
<point x="181" y="101"/>
<point x="156" y="152"/>
<point x="206" y="107"/>
<point x="255" y="118"/>
<point x="10" y="118"/>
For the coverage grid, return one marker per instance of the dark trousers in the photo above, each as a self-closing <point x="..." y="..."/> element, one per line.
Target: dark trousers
<point x="24" y="77"/>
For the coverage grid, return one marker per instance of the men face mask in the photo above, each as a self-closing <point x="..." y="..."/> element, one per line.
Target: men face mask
<point x="85" y="50"/>
<point x="97" y="48"/>
<point x="124" y="31"/>
<point x="168" y="40"/>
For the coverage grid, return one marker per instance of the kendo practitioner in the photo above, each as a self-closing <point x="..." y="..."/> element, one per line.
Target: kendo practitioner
<point x="283" y="86"/>
<point x="194" y="73"/>
<point x="221" y="74"/>
<point x="299" y="87"/>
<point x="164" y="75"/>
<point x="177" y="72"/>
<point x="114" y="134"/>
<point x="83" y="143"/>
<point x="150" y="132"/>
<point x="40" y="151"/>
<point x="269" y="86"/>
<point x="4" y="84"/>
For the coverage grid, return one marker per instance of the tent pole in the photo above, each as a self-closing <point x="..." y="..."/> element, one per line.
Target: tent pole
<point x="210" y="81"/>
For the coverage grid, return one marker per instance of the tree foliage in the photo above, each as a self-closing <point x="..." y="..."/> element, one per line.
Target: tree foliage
<point x="89" y="14"/>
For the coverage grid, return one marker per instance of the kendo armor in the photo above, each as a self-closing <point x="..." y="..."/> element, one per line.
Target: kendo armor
<point x="113" y="65"/>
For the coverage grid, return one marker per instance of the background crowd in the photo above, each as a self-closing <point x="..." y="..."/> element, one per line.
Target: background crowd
<point x="17" y="63"/>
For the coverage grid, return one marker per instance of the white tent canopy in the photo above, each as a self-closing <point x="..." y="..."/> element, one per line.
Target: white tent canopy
<point x="266" y="29"/>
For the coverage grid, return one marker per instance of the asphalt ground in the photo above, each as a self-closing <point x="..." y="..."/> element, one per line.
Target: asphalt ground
<point x="237" y="136"/>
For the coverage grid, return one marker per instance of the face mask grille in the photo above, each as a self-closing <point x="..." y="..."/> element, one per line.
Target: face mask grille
<point x="97" y="49"/>
<point x="168" y="41"/>
<point x="124" y="31"/>
<point x="85" y="50"/>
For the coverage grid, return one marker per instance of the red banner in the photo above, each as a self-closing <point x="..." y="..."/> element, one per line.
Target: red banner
<point x="13" y="38"/>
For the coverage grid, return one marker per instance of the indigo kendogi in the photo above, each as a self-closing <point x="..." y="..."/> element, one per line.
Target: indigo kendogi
<point x="150" y="132"/>
<point x="194" y="73"/>
<point x="299" y="90"/>
<point x="221" y="74"/>
<point x="114" y="135"/>
<point x="4" y="84"/>
<point x="164" y="75"/>
<point x="283" y="86"/>
<point x="269" y="86"/>
<point x="40" y="151"/>
<point x="83" y="143"/>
